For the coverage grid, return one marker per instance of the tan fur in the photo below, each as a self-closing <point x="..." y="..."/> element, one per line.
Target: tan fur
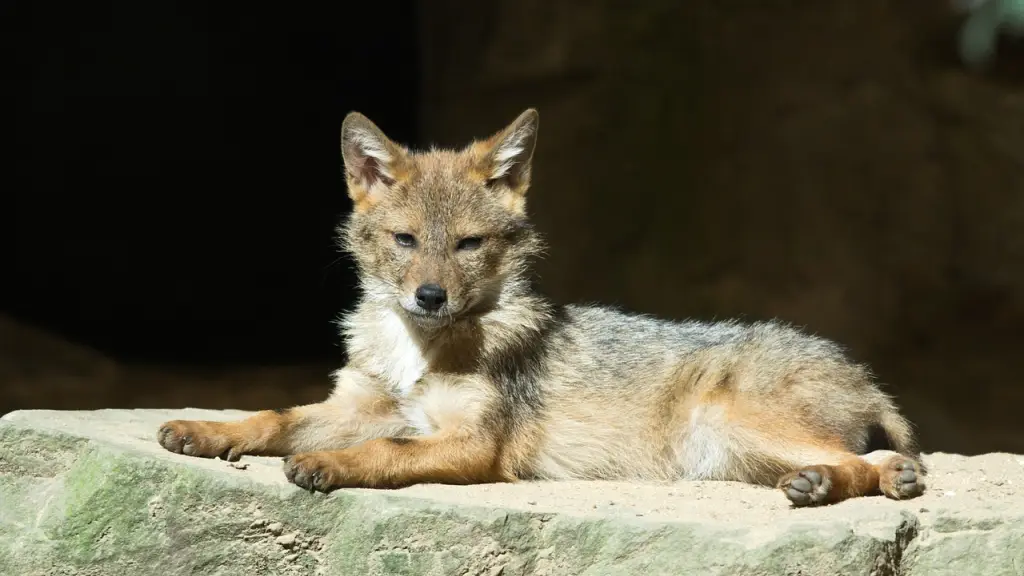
<point x="498" y="384"/>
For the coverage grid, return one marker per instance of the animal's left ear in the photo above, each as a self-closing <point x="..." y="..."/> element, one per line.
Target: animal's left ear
<point x="506" y="157"/>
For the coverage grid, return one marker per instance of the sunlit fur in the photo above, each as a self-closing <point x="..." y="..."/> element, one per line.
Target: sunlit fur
<point x="500" y="384"/>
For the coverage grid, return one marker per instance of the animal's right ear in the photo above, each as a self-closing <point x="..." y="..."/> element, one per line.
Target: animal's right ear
<point x="373" y="163"/>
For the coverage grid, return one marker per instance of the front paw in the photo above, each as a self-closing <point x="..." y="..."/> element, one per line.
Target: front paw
<point x="202" y="439"/>
<point x="314" y="471"/>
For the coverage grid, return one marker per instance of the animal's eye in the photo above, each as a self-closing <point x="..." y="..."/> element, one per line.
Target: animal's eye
<point x="471" y="243"/>
<point x="405" y="240"/>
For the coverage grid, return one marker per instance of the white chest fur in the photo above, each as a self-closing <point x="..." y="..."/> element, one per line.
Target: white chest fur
<point x="400" y="359"/>
<point x="388" y="350"/>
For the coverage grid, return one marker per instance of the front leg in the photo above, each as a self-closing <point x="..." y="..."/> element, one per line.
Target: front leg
<point x="462" y="446"/>
<point x="359" y="409"/>
<point x="399" y="462"/>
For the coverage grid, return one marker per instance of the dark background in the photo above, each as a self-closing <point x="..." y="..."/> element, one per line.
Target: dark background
<point x="183" y="172"/>
<point x="177" y="180"/>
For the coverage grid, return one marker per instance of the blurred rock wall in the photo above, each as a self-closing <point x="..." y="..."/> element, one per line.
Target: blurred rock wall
<point x="825" y="162"/>
<point x="41" y="370"/>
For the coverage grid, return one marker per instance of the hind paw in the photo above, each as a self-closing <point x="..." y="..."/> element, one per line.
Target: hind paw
<point x="901" y="478"/>
<point x="807" y="487"/>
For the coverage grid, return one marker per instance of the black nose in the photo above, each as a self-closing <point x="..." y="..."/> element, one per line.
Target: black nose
<point x="431" y="296"/>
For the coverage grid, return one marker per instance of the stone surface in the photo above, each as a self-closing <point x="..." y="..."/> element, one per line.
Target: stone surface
<point x="92" y="493"/>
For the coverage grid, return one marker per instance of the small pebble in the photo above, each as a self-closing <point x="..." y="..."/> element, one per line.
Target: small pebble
<point x="288" y="540"/>
<point x="291" y="557"/>
<point x="257" y="513"/>
<point x="531" y="502"/>
<point x="949" y="493"/>
<point x="304" y="544"/>
<point x="258" y="523"/>
<point x="639" y="513"/>
<point x="239" y="465"/>
<point x="924" y="510"/>
<point x="275" y="528"/>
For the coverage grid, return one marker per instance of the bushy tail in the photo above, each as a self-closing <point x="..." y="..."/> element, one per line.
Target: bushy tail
<point x="899" y="435"/>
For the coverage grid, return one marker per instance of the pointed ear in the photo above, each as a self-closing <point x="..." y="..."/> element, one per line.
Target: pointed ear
<point x="373" y="163"/>
<point x="507" y="156"/>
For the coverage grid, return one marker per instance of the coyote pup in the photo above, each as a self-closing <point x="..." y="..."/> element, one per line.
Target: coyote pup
<point x="460" y="373"/>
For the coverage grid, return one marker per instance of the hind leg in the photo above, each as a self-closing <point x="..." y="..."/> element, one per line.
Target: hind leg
<point x="900" y="477"/>
<point x="819" y="484"/>
<point x="809" y="466"/>
<point x="726" y="438"/>
<point x="894" y="475"/>
<point x="735" y="442"/>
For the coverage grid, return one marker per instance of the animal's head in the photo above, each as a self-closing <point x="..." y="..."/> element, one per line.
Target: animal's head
<point x="439" y="234"/>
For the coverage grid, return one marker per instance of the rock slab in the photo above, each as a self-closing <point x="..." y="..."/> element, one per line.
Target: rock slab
<point x="91" y="493"/>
